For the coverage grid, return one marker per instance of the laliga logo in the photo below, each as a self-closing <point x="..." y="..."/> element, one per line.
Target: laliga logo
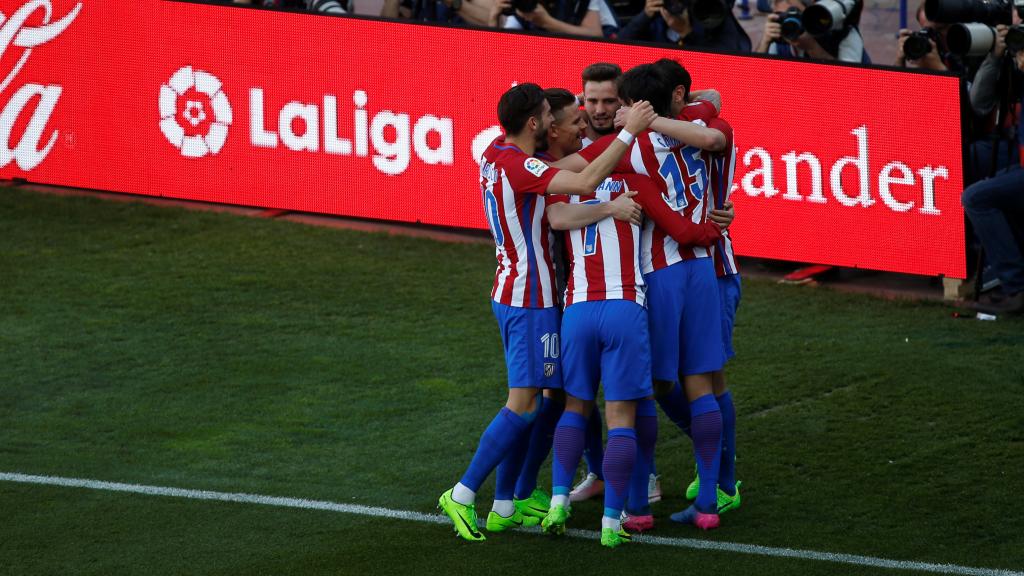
<point x="26" y="153"/>
<point x="195" y="113"/>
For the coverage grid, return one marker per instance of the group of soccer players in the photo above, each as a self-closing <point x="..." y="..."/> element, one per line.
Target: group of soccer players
<point x="651" y="290"/>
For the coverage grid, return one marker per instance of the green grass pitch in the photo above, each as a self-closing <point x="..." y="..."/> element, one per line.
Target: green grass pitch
<point x="195" y="350"/>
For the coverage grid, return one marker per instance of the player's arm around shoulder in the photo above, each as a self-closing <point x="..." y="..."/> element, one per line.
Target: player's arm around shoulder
<point x="691" y="133"/>
<point x="563" y="215"/>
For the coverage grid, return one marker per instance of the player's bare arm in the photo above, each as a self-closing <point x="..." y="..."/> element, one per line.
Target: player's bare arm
<point x="584" y="183"/>
<point x="564" y="216"/>
<point x="710" y="95"/>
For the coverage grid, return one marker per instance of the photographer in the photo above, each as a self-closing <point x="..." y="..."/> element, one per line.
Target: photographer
<point x="474" y="12"/>
<point x="993" y="203"/>
<point x="927" y="48"/>
<point x="324" y="6"/>
<point x="784" y="35"/>
<point x="673" y="22"/>
<point x="576" y="17"/>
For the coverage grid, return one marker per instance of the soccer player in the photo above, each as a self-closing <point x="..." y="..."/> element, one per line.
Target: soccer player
<point x="685" y="321"/>
<point x="513" y="183"/>
<point x="605" y="268"/>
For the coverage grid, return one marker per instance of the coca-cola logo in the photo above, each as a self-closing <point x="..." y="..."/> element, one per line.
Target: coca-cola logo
<point x="13" y="31"/>
<point x="194" y="112"/>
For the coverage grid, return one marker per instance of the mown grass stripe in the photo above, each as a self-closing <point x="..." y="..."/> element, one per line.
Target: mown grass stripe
<point x="380" y="512"/>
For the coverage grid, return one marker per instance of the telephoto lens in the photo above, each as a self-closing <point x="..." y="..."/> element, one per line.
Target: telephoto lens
<point x="827" y="16"/>
<point x="917" y="45"/>
<point x="974" y="39"/>
<point x="991" y="12"/>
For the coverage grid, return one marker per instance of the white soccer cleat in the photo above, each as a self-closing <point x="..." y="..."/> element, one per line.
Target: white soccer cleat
<point x="590" y="486"/>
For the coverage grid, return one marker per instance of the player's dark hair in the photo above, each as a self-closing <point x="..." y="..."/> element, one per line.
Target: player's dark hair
<point x="601" y="72"/>
<point x="647" y="82"/>
<point x="559" y="99"/>
<point x="519" y="104"/>
<point x="676" y="74"/>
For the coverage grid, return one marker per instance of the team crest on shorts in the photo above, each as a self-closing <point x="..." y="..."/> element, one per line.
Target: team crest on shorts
<point x="549" y="369"/>
<point x="534" y="166"/>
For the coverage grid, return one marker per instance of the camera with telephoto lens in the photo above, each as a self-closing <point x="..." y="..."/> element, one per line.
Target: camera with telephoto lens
<point x="973" y="32"/>
<point x="708" y="13"/>
<point x="827" y="16"/>
<point x="918" y="44"/>
<point x="524" y="6"/>
<point x="791" y="22"/>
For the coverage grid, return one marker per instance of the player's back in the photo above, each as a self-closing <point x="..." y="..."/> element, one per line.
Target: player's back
<point x="513" y="185"/>
<point x="604" y="256"/>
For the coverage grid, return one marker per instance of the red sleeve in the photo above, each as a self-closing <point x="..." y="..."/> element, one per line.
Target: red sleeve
<point x="528" y="175"/>
<point x="680" y="228"/>
<point x="699" y="110"/>
<point x="723" y="127"/>
<point x="557" y="199"/>
<point x="590" y="153"/>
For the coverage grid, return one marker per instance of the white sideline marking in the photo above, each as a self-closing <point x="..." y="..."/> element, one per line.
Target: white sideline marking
<point x="379" y="512"/>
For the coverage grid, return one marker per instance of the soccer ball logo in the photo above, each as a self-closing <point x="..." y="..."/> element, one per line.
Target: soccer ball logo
<point x="195" y="113"/>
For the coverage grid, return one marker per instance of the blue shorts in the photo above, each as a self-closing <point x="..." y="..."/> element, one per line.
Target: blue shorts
<point x="531" y="341"/>
<point x="606" y="341"/>
<point x="729" y="290"/>
<point x="685" y="315"/>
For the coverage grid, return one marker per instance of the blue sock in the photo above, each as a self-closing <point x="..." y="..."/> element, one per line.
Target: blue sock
<point x="727" y="469"/>
<point x="569" y="440"/>
<point x="677" y="408"/>
<point x="646" y="437"/>
<point x="594" y="451"/>
<point x="619" y="459"/>
<point x="541" y="438"/>
<point x="504" y="430"/>
<point x="707" y="446"/>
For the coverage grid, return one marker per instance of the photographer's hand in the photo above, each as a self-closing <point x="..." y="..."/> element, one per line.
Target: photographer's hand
<point x="932" y="60"/>
<point x="901" y="58"/>
<point x="772" y="33"/>
<point x="497" y="9"/>
<point x="999" y="48"/>
<point x="810" y="46"/>
<point x="653" y="7"/>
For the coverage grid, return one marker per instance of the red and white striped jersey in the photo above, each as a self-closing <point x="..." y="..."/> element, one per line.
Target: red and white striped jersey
<point x="682" y="177"/>
<point x="604" y="256"/>
<point x="721" y="166"/>
<point x="513" y="186"/>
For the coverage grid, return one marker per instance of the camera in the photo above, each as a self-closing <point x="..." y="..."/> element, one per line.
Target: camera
<point x="1015" y="38"/>
<point x="827" y="16"/>
<point x="990" y="12"/>
<point x="918" y="44"/>
<point x="791" y="22"/>
<point x="524" y="6"/>
<point x="709" y="13"/>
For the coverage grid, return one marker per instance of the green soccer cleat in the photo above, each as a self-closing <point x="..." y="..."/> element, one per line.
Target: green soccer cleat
<point x="498" y="523"/>
<point x="463" y="517"/>
<point x="612" y="539"/>
<point x="536" y="505"/>
<point x="694" y="488"/>
<point x="554" y="522"/>
<point x="726" y="502"/>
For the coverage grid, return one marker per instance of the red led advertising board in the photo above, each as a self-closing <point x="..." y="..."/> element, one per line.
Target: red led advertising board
<point x="836" y="164"/>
